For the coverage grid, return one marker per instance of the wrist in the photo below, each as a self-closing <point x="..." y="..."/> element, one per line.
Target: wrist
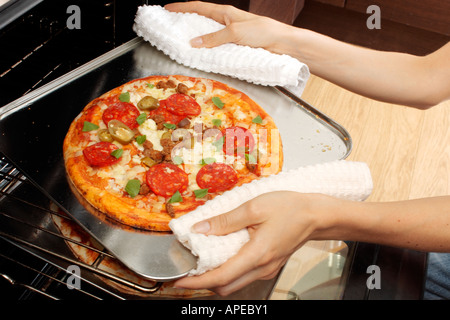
<point x="287" y="40"/>
<point x="338" y="219"/>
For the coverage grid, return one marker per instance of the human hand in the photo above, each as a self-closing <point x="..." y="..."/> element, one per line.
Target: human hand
<point x="242" y="27"/>
<point x="279" y="223"/>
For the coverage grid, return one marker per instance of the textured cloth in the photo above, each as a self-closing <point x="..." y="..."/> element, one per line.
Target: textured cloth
<point x="171" y="33"/>
<point x="341" y="179"/>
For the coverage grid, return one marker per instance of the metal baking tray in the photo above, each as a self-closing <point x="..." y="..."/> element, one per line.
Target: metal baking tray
<point x="33" y="127"/>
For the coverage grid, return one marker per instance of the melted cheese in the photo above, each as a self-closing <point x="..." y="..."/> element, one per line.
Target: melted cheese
<point x="239" y="115"/>
<point x="119" y="174"/>
<point x="192" y="170"/>
<point x="149" y="129"/>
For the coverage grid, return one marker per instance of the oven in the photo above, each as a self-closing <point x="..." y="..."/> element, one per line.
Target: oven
<point x="40" y="44"/>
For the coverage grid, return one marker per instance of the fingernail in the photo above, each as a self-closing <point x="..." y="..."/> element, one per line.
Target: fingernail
<point x="197" y="42"/>
<point x="201" y="227"/>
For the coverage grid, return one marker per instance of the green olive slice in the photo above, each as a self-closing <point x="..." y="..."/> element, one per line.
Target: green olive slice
<point x="120" y="131"/>
<point x="149" y="162"/>
<point x="104" y="135"/>
<point x="166" y="135"/>
<point x="148" y="103"/>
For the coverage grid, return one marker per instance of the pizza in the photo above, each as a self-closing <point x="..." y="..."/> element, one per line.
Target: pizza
<point x="156" y="148"/>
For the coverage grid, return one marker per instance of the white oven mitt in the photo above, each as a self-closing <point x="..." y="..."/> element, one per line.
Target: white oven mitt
<point x="341" y="179"/>
<point x="171" y="32"/>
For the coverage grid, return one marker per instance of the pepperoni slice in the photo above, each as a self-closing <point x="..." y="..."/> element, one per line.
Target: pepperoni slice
<point x="182" y="105"/>
<point x="165" y="179"/>
<point x="216" y="177"/>
<point x="99" y="154"/>
<point x="238" y="141"/>
<point x="125" y="112"/>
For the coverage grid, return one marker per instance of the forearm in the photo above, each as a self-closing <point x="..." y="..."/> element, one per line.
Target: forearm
<point x="386" y="76"/>
<point x="422" y="224"/>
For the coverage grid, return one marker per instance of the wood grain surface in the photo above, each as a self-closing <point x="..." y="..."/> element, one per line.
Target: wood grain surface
<point x="407" y="150"/>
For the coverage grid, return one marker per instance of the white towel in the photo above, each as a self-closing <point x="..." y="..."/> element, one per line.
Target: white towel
<point x="171" y="33"/>
<point x="342" y="179"/>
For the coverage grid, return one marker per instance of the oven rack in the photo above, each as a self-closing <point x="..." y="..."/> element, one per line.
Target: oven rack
<point x="18" y="232"/>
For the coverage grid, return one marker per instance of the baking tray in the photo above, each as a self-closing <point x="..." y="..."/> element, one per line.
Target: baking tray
<point x="33" y="127"/>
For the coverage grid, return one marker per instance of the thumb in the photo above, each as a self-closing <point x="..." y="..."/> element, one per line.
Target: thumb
<point x="223" y="224"/>
<point x="212" y="39"/>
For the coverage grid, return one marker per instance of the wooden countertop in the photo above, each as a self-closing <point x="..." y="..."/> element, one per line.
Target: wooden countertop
<point x="407" y="150"/>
